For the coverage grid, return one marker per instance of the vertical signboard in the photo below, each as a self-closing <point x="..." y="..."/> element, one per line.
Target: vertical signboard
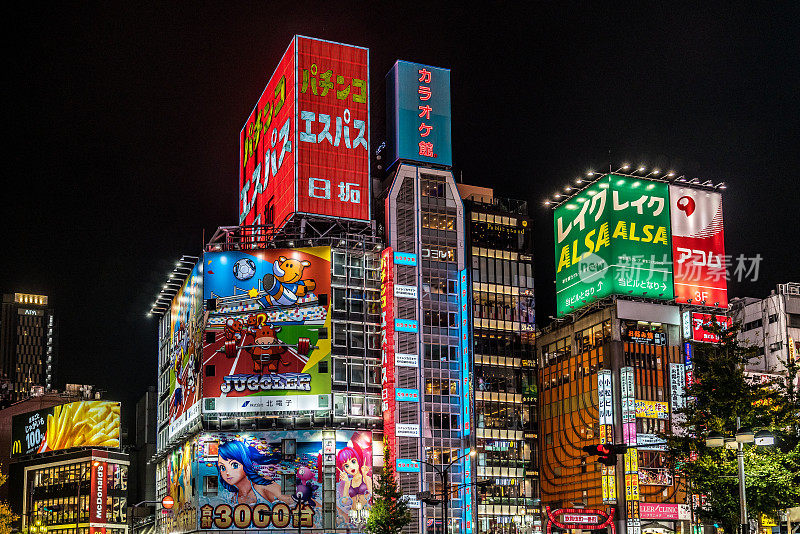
<point x="466" y="366"/>
<point x="698" y="244"/>
<point x="387" y="347"/>
<point x="605" y="397"/>
<point x="267" y="145"/>
<point x="333" y="126"/>
<point x="186" y="345"/>
<point x="305" y="146"/>
<point x="628" y="405"/>
<point x="613" y="238"/>
<point x="418" y="113"/>
<point x="97" y="497"/>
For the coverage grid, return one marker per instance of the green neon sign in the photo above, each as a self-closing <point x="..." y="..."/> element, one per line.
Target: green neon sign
<point x="613" y="239"/>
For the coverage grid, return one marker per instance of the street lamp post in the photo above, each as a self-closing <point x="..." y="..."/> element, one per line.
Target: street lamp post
<point x="743" y="435"/>
<point x="445" y="483"/>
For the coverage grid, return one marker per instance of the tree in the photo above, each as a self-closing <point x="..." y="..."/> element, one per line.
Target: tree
<point x="721" y="393"/>
<point x="389" y="513"/>
<point x="6" y="516"/>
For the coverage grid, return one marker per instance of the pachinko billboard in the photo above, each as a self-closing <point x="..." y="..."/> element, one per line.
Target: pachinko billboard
<point x="186" y="333"/>
<point x="698" y="247"/>
<point x="266" y="346"/>
<point x="305" y="146"/>
<point x="274" y="480"/>
<point x="75" y="424"/>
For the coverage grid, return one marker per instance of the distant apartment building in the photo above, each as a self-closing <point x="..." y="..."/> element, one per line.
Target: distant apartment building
<point x="28" y="346"/>
<point x="772" y="325"/>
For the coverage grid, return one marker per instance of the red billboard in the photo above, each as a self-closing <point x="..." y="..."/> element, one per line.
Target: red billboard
<point x="701" y="323"/>
<point x="387" y="346"/>
<point x="698" y="247"/>
<point x="267" y="150"/>
<point x="305" y="146"/>
<point x="333" y="151"/>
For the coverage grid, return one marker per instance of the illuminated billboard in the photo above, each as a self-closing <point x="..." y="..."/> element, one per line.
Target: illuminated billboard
<point x="186" y="336"/>
<point x="75" y="424"/>
<point x="267" y="348"/>
<point x="387" y="347"/>
<point x="305" y="146"/>
<point x="701" y="323"/>
<point x="698" y="246"/>
<point x="261" y="487"/>
<point x="418" y="114"/>
<point x="613" y="238"/>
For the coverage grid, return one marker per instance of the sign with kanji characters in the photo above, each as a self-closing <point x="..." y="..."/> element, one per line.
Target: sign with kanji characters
<point x="698" y="246"/>
<point x="305" y="146"/>
<point x="613" y="238"/>
<point x="701" y="323"/>
<point x="652" y="409"/>
<point x="418" y="114"/>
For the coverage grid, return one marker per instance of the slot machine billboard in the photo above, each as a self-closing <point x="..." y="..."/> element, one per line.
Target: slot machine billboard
<point x="267" y="348"/>
<point x="698" y="246"/>
<point x="186" y="334"/>
<point x="305" y="146"/>
<point x="260" y="488"/>
<point x="613" y="238"/>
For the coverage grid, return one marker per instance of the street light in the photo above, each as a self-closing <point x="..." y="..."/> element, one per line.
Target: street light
<point x="445" y="492"/>
<point x="743" y="435"/>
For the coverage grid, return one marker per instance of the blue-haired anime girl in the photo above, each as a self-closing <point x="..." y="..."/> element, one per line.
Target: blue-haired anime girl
<point x="237" y="465"/>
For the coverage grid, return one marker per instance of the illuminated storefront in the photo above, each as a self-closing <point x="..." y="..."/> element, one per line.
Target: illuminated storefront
<point x="84" y="492"/>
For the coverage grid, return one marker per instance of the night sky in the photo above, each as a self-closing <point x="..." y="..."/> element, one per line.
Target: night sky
<point x="122" y="132"/>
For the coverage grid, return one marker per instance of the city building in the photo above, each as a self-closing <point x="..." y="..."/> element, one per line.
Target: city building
<point x="28" y="346"/>
<point x="142" y="480"/>
<point x="269" y="408"/>
<point x="772" y="325"/>
<point x="499" y="250"/>
<point x="67" y="470"/>
<point x="639" y="273"/>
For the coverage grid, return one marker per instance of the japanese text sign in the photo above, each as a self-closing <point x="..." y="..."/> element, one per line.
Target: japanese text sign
<point x="305" y="146"/>
<point x="698" y="246"/>
<point x="701" y="323"/>
<point x="418" y="113"/>
<point x="613" y="238"/>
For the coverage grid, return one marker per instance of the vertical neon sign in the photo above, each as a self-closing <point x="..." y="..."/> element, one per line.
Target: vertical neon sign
<point x="466" y="340"/>
<point x="387" y="347"/>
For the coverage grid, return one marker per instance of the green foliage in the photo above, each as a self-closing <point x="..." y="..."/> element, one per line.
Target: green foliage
<point x="720" y="394"/>
<point x="6" y="516"/>
<point x="389" y="513"/>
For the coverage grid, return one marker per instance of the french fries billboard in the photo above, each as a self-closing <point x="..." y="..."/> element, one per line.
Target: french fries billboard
<point x="66" y="426"/>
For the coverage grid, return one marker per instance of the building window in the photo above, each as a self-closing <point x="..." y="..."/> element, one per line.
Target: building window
<point x="773" y="318"/>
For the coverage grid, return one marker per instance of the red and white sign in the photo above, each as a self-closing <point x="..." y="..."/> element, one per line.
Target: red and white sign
<point x="581" y="518"/>
<point x="97" y="495"/>
<point x="387" y="347"/>
<point x="670" y="512"/>
<point x="305" y="146"/>
<point x="698" y="246"/>
<point x="700" y="323"/>
<point x="599" y="519"/>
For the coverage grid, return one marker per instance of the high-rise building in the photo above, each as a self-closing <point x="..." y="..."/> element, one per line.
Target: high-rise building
<point x="269" y="344"/>
<point x="28" y="346"/>
<point x="427" y="344"/>
<point x="499" y="251"/>
<point x="638" y="262"/>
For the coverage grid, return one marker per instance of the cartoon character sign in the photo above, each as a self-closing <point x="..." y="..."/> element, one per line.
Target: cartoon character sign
<point x="186" y="326"/>
<point x="280" y="492"/>
<point x="246" y="474"/>
<point x="268" y="333"/>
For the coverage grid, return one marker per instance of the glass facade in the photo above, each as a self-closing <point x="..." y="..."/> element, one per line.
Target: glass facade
<point x="58" y="496"/>
<point x="499" y="251"/>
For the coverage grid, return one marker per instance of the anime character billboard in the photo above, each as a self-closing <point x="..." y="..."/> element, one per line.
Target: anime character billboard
<point x="186" y="329"/>
<point x="252" y="483"/>
<point x="267" y="347"/>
